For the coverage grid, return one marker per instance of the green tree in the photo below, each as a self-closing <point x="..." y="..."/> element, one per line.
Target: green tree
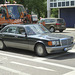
<point x="11" y="1"/>
<point x="54" y="12"/>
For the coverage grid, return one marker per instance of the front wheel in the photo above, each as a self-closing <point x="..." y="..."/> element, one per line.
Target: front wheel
<point x="40" y="50"/>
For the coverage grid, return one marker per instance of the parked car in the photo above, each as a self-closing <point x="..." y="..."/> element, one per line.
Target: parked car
<point x="53" y="24"/>
<point x="34" y="37"/>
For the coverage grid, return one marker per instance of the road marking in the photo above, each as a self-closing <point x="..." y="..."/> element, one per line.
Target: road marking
<point x="39" y="61"/>
<point x="21" y="64"/>
<point x="12" y="70"/>
<point x="70" y="73"/>
<point x="40" y="58"/>
<point x="3" y="58"/>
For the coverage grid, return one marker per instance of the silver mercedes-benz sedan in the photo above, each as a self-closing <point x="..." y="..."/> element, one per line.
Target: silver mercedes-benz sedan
<point x="34" y="37"/>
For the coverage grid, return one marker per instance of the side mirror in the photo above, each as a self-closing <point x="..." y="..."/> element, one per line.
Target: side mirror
<point x="24" y="33"/>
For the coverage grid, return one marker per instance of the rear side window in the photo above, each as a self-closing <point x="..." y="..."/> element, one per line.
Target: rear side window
<point x="52" y="20"/>
<point x="60" y="21"/>
<point x="11" y="29"/>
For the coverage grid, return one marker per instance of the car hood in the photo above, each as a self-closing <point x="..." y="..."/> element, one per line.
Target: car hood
<point x="51" y="36"/>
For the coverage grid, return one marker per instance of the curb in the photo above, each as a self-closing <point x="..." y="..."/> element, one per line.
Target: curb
<point x="70" y="29"/>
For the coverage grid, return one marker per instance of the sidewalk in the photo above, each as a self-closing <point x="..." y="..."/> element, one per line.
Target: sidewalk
<point x="70" y="29"/>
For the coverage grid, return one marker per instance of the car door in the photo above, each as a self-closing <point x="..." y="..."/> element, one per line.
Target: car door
<point x="21" y="39"/>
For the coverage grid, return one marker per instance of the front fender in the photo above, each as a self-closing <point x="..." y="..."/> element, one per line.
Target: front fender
<point x="39" y="42"/>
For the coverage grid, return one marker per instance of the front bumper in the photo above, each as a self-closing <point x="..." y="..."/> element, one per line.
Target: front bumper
<point x="59" y="48"/>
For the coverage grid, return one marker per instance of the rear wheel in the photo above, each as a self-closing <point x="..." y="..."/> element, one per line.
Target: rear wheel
<point x="2" y="46"/>
<point x="40" y="50"/>
<point x="60" y="30"/>
<point x="52" y="29"/>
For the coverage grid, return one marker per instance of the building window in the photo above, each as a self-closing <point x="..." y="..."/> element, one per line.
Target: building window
<point x="51" y="4"/>
<point x="67" y="3"/>
<point x="63" y="3"/>
<point x="55" y="4"/>
<point x="72" y="3"/>
<point x="59" y="4"/>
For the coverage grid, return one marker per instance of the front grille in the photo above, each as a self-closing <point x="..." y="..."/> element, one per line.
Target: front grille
<point x="66" y="42"/>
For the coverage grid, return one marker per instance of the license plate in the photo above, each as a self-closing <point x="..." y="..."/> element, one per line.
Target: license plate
<point x="62" y="26"/>
<point x="65" y="49"/>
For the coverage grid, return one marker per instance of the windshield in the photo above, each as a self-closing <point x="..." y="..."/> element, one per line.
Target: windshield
<point x="35" y="29"/>
<point x="15" y="11"/>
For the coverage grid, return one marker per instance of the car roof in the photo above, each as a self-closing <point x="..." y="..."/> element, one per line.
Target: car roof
<point x="22" y="25"/>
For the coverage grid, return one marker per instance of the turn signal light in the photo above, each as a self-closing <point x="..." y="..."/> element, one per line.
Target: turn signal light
<point x="50" y="43"/>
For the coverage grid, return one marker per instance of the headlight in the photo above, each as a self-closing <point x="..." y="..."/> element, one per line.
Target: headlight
<point x="54" y="43"/>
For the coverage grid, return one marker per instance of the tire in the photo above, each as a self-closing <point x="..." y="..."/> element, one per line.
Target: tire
<point x="52" y="29"/>
<point x="40" y="50"/>
<point x="2" y="46"/>
<point x="60" y="30"/>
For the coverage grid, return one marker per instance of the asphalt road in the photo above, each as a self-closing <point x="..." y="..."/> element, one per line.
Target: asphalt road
<point x="22" y="62"/>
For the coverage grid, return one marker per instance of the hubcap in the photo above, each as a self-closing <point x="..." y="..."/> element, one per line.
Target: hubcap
<point x="1" y="45"/>
<point x="51" y="29"/>
<point x="39" y="50"/>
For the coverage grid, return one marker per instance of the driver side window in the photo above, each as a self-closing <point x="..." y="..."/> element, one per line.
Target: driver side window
<point x="20" y="30"/>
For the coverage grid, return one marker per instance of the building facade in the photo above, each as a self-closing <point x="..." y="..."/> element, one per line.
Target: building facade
<point x="66" y="10"/>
